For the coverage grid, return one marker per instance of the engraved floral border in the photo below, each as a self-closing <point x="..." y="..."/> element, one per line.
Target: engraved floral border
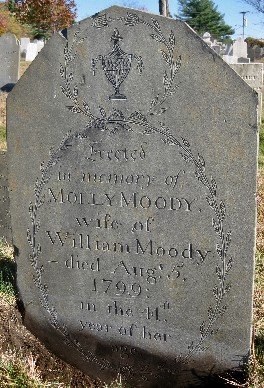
<point x="120" y="122"/>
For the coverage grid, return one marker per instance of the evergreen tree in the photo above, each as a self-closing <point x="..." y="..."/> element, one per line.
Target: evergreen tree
<point x="203" y="16"/>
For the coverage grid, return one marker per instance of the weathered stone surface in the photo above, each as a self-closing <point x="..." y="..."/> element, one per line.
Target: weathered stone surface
<point x="252" y="73"/>
<point x="9" y="61"/>
<point x="132" y="176"/>
<point x="5" y="219"/>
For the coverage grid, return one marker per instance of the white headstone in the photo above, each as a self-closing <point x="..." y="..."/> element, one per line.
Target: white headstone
<point x="32" y="52"/>
<point x="252" y="73"/>
<point x="24" y="42"/>
<point x="40" y="44"/>
<point x="240" y="48"/>
<point x="207" y="38"/>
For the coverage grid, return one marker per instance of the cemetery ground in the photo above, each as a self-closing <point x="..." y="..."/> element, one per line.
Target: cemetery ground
<point x="25" y="362"/>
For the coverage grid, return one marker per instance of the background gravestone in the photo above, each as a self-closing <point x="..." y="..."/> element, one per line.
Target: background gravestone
<point x="5" y="219"/>
<point x="24" y="42"/>
<point x="9" y="61"/>
<point x="252" y="74"/>
<point x="133" y="214"/>
<point x="32" y="52"/>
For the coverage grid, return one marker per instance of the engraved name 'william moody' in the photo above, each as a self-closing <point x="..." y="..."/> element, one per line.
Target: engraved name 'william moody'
<point x="138" y="247"/>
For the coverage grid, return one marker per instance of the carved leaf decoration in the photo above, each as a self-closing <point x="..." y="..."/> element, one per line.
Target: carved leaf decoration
<point x="228" y="237"/>
<point x="202" y="327"/>
<point x="156" y="24"/>
<point x="215" y="225"/>
<point x="210" y="313"/>
<point x="210" y="201"/>
<point x="65" y="91"/>
<point x="76" y="33"/>
<point x="185" y="142"/>
<point x="219" y="250"/>
<point x="37" y="226"/>
<point x="172" y="39"/>
<point x="75" y="91"/>
<point x="215" y="292"/>
<point x="138" y="118"/>
<point x="222" y="310"/>
<point x="140" y="65"/>
<point x="166" y="81"/>
<point x="213" y="183"/>
<point x="102" y="112"/>
<point x="154" y="101"/>
<point x="186" y="157"/>
<point x="100" y="21"/>
<point x="167" y="141"/>
<point x="166" y="57"/>
<point x="35" y="280"/>
<point x="38" y="248"/>
<point x="41" y="201"/>
<point x="30" y="208"/>
<point x="62" y="71"/>
<point x="218" y="272"/>
<point x="132" y="19"/>
<point x="222" y="210"/>
<point x="148" y="131"/>
<point x="201" y="160"/>
<point x="74" y="109"/>
<point x="86" y="107"/>
<point x="176" y="65"/>
<point x="80" y="41"/>
<point x="227" y="288"/>
<point x="156" y="37"/>
<point x="197" y="174"/>
<point x="159" y="112"/>
<point x="29" y="236"/>
<point x="71" y="76"/>
<point x="229" y="264"/>
<point x="173" y="90"/>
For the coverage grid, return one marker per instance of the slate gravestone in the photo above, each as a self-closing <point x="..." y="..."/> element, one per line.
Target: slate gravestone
<point x="133" y="200"/>
<point x="9" y="61"/>
<point x="5" y="219"/>
<point x="253" y="75"/>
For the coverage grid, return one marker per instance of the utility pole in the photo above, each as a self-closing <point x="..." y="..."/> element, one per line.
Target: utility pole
<point x="244" y="22"/>
<point x="164" y="7"/>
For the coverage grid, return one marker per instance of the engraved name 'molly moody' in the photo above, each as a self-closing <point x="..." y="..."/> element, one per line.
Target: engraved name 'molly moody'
<point x="123" y="200"/>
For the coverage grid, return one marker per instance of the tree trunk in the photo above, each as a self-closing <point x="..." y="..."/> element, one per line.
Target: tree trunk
<point x="163" y="7"/>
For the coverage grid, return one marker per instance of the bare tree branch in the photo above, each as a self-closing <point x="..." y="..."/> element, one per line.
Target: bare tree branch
<point x="257" y="4"/>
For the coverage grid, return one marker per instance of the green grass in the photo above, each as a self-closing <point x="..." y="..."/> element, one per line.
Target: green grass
<point x="2" y="136"/>
<point x="7" y="273"/>
<point x="17" y="371"/>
